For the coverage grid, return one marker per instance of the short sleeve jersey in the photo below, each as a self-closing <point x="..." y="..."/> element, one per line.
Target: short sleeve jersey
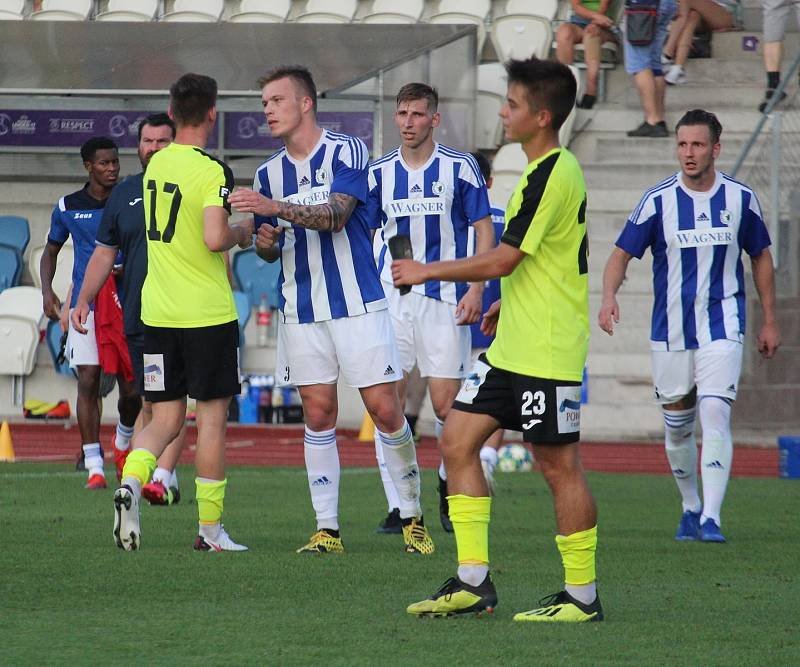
<point x="433" y="205"/>
<point x="697" y="240"/>
<point x="77" y="215"/>
<point x="543" y="329"/>
<point x="491" y="291"/>
<point x="187" y="284"/>
<point x="123" y="227"/>
<point x="324" y="275"/>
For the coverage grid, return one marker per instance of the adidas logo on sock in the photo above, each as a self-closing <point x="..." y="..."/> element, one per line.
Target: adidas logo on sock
<point x="715" y="464"/>
<point x="304" y="181"/>
<point x="322" y="481"/>
<point x="416" y="188"/>
<point x="389" y="370"/>
<point x="410" y="475"/>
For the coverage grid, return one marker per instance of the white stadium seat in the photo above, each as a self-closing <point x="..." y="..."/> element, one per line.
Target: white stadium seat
<point x="521" y="36"/>
<point x="20" y="317"/>
<point x="195" y="11"/>
<point x="464" y="11"/>
<point x="12" y="10"/>
<point x="63" y="10"/>
<point x="510" y="159"/>
<point x="565" y="133"/>
<point x="63" y="277"/>
<point x="491" y="95"/>
<point x="129" y="10"/>
<point x="328" y="11"/>
<point x="394" y="11"/>
<point x="544" y="8"/>
<point x="261" y="11"/>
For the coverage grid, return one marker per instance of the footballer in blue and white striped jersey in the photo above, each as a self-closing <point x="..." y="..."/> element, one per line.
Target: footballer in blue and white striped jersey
<point x="696" y="239"/>
<point x="324" y="275"/>
<point x="434" y="205"/>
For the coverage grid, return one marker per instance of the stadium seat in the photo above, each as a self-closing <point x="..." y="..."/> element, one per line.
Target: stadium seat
<point x="544" y="8"/>
<point x="12" y="10"/>
<point x="464" y="11"/>
<point x="63" y="278"/>
<point x="491" y="94"/>
<point x="64" y="10"/>
<point x="15" y="231"/>
<point x="394" y="11"/>
<point x="53" y="337"/>
<point x="565" y="133"/>
<point x="20" y="316"/>
<point x="507" y="167"/>
<point x="521" y="36"/>
<point x="256" y="277"/>
<point x="10" y="266"/>
<point x="195" y="11"/>
<point x="328" y="11"/>
<point x="261" y="11"/>
<point x="129" y="10"/>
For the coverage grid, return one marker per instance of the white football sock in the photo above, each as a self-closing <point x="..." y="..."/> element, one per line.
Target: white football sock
<point x="162" y="475"/>
<point x="92" y="458"/>
<point x="585" y="593"/>
<point x="438" y="428"/>
<point x="210" y="531"/>
<point x="400" y="456"/>
<point x="473" y="574"/>
<point x="442" y="471"/>
<point x="717" y="454"/>
<point x="322" y="467"/>
<point x="392" y="498"/>
<point x="134" y="484"/>
<point x="681" y="447"/>
<point x="173" y="479"/>
<point x="124" y="434"/>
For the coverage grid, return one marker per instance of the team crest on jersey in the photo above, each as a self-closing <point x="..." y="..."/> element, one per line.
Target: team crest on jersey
<point x="725" y="216"/>
<point x="438" y="188"/>
<point x="321" y="176"/>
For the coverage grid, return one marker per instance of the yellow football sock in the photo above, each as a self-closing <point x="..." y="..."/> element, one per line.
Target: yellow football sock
<point x="210" y="499"/>
<point x="140" y="465"/>
<point x="470" y="517"/>
<point x="577" y="554"/>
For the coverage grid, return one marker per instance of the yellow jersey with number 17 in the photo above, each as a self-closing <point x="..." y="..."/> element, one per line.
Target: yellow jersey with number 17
<point x="187" y="284"/>
<point x="543" y="329"/>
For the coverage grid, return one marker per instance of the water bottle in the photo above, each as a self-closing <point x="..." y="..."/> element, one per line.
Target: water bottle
<point x="263" y="322"/>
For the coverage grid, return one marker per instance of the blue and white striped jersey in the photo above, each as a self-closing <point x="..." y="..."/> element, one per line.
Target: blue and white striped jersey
<point x="434" y="205"/>
<point x="324" y="275"/>
<point x="697" y="240"/>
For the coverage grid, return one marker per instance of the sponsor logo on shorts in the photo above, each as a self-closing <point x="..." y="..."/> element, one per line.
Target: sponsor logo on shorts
<point x="389" y="370"/>
<point x="472" y="382"/>
<point x="569" y="409"/>
<point x="135" y="201"/>
<point x="153" y="372"/>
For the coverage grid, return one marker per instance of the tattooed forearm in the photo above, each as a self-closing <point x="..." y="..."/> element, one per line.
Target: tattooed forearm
<point x="330" y="217"/>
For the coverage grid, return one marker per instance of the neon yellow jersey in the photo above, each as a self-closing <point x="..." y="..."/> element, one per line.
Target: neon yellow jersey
<point x="187" y="284"/>
<point x="543" y="329"/>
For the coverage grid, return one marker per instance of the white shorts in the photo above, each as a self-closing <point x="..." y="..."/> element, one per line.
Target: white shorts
<point x="361" y="347"/>
<point x="714" y="368"/>
<point x="82" y="348"/>
<point x="428" y="335"/>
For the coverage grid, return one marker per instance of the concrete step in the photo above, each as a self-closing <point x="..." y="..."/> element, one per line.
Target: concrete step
<point x="614" y="118"/>
<point x="631" y="367"/>
<point x="640" y="421"/>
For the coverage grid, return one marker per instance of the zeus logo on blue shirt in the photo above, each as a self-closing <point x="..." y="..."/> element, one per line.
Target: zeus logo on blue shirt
<point x="697" y="239"/>
<point x="421" y="206"/>
<point x="83" y="216"/>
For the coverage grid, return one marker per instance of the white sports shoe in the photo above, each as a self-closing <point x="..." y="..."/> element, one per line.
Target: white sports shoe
<point x="222" y="543"/>
<point x="488" y="473"/>
<point x="675" y="76"/>
<point x="126" y="519"/>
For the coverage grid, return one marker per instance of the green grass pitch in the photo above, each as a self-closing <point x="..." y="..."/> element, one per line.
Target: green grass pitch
<point x="69" y="596"/>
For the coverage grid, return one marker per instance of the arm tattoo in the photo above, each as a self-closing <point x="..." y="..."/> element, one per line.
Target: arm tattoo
<point x="330" y="217"/>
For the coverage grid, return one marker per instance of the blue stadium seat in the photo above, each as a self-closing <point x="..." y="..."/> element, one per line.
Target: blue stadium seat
<point x="10" y="266"/>
<point x="54" y="345"/>
<point x="243" y="311"/>
<point x="15" y="231"/>
<point x="257" y="277"/>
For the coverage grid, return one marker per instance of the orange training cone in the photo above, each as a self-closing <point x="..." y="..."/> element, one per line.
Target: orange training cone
<point x="367" y="432"/>
<point x="6" y="446"/>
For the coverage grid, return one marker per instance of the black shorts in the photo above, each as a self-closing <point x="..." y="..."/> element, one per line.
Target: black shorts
<point x="546" y="411"/>
<point x="202" y="363"/>
<point x="136" y="351"/>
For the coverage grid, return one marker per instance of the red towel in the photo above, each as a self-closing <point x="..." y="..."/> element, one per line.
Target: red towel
<point x="112" y="348"/>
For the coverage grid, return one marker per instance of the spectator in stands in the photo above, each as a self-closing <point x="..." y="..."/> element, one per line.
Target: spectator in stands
<point x="693" y="14"/>
<point x="591" y="26"/>
<point x="644" y="63"/>
<point x="78" y="215"/>
<point x="776" y="13"/>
